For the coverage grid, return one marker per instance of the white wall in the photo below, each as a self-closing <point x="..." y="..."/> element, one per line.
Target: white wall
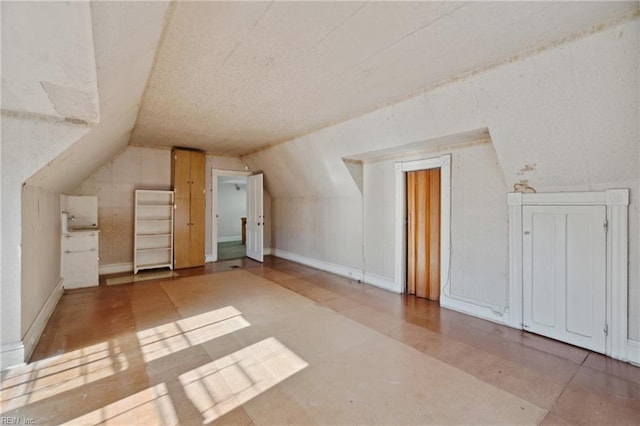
<point x="566" y="119"/>
<point x="479" y="251"/>
<point x="19" y="161"/>
<point x="40" y="250"/>
<point x="52" y="57"/>
<point x="32" y="82"/>
<point x="232" y="205"/>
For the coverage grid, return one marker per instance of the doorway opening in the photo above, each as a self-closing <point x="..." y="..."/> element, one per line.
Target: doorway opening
<point x="232" y="217"/>
<point x="237" y="217"/>
<point x="423" y="233"/>
<point x="229" y="206"/>
<point x="437" y="216"/>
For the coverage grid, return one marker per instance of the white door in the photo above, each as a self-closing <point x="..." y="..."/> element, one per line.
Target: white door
<point x="564" y="287"/>
<point x="255" y="218"/>
<point x="214" y="216"/>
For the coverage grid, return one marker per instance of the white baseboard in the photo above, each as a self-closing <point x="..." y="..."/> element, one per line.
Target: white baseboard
<point x="498" y="314"/>
<point x="319" y="264"/>
<point x="37" y="326"/>
<point x="633" y="352"/>
<point x="229" y="239"/>
<point x="344" y="271"/>
<point x="208" y="258"/>
<point x="267" y="251"/>
<point x="15" y="354"/>
<point x="385" y="283"/>
<point x="11" y="355"/>
<point x="115" y="268"/>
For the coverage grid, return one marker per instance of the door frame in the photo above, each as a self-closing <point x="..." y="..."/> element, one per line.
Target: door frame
<point x="442" y="162"/>
<point x="214" y="206"/>
<point x="617" y="344"/>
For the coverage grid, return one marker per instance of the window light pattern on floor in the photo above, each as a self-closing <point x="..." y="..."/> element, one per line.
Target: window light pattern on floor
<point x="52" y="376"/>
<point x="214" y="388"/>
<point x="151" y="406"/>
<point x="220" y="386"/>
<point x="172" y="337"/>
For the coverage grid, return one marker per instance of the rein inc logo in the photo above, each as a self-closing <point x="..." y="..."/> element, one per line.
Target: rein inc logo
<point x="17" y="421"/>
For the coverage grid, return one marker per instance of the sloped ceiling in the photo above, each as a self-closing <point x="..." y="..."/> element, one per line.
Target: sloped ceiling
<point x="126" y="36"/>
<point x="233" y="77"/>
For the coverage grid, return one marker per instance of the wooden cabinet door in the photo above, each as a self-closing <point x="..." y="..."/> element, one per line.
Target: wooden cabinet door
<point x="188" y="177"/>
<point x="196" y="246"/>
<point x="182" y="233"/>
<point x="181" y="173"/>
<point x="197" y="178"/>
<point x="197" y="174"/>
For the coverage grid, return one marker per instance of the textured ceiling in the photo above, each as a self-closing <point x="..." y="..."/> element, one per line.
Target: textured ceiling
<point x="232" y="77"/>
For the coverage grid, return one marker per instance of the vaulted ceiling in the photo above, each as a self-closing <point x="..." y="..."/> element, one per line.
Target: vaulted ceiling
<point x="233" y="77"/>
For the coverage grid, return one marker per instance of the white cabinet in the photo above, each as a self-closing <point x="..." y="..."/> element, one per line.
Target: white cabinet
<point x="153" y="240"/>
<point x="80" y="258"/>
<point x="79" y="225"/>
<point x="564" y="273"/>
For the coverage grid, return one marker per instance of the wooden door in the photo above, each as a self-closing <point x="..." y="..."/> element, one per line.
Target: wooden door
<point x="564" y="273"/>
<point x="423" y="233"/>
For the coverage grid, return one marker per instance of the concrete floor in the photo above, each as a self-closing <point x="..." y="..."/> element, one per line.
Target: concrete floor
<point x="281" y="343"/>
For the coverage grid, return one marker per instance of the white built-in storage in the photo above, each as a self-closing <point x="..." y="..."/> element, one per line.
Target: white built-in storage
<point x="153" y="242"/>
<point x="79" y="242"/>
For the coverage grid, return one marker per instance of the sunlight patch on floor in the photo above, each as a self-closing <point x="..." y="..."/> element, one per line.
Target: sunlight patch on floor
<point x="151" y="406"/>
<point x="51" y="376"/>
<point x="220" y="386"/>
<point x="172" y="337"/>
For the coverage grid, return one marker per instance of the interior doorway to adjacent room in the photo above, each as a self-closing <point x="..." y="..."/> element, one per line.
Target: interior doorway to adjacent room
<point x="231" y="216"/>
<point x="237" y="217"/>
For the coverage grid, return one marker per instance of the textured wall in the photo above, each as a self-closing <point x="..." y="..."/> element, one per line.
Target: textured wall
<point x="114" y="183"/>
<point x="40" y="250"/>
<point x="479" y="252"/>
<point x="48" y="57"/>
<point x="566" y="119"/>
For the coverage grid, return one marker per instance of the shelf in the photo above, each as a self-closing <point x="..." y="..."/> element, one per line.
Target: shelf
<point x="142" y="250"/>
<point x="153" y="243"/>
<point x="155" y="265"/>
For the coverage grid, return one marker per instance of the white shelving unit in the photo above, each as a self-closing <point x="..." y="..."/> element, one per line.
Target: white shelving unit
<point x="153" y="242"/>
